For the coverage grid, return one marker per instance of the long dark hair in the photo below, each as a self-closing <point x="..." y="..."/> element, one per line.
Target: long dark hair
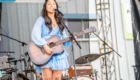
<point x="48" y="20"/>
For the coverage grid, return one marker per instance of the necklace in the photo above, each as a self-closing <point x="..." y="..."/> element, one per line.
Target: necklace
<point x="55" y="26"/>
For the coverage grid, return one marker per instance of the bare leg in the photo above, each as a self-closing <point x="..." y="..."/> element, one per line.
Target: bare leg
<point x="46" y="73"/>
<point x="57" y="74"/>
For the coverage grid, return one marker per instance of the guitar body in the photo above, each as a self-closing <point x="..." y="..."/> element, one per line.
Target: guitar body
<point x="37" y="54"/>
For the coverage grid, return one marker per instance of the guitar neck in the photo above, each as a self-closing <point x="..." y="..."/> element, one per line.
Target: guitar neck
<point x="68" y="38"/>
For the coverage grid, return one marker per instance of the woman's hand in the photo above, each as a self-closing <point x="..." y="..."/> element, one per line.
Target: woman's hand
<point x="39" y="76"/>
<point x="74" y="36"/>
<point x="47" y="49"/>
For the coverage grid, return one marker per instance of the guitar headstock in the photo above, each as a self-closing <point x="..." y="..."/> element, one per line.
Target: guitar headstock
<point x="90" y="30"/>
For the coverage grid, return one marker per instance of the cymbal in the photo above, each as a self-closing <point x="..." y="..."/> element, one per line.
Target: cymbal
<point x="8" y="70"/>
<point x="7" y="51"/>
<point x="10" y="58"/>
<point x="89" y="57"/>
<point x="5" y="69"/>
<point x="11" y="70"/>
<point x="6" y="73"/>
<point x="15" y="60"/>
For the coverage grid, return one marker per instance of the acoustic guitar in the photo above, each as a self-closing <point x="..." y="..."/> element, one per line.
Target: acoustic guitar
<point x="38" y="55"/>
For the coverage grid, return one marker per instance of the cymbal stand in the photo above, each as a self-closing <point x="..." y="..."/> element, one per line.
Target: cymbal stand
<point x="96" y="75"/>
<point x="29" y="65"/>
<point x="15" y="71"/>
<point x="88" y="62"/>
<point x="30" y="72"/>
<point x="23" y="53"/>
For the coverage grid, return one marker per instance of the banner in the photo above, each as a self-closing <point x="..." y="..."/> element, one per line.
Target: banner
<point x="127" y="24"/>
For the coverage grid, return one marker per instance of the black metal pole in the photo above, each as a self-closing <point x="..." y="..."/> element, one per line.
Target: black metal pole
<point x="74" y="62"/>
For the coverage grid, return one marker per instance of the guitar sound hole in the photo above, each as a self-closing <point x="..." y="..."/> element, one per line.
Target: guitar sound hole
<point x="52" y="44"/>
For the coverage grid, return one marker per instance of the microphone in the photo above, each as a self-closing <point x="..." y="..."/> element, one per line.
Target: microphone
<point x="57" y="11"/>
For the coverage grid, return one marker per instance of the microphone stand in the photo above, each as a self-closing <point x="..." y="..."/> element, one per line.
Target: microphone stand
<point x="105" y="54"/>
<point x="71" y="38"/>
<point x="108" y="45"/>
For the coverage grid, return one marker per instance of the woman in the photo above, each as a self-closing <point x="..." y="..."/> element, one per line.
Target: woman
<point x="47" y="25"/>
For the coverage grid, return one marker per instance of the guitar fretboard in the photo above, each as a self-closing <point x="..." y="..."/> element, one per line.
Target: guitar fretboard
<point x="68" y="38"/>
<point x="80" y="33"/>
<point x="62" y="41"/>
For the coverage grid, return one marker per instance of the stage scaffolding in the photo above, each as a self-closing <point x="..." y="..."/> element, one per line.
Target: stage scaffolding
<point x="104" y="30"/>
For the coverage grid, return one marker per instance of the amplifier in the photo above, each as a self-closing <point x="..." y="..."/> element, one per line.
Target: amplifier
<point x="81" y="70"/>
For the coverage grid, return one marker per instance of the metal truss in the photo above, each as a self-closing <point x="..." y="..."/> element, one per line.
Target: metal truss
<point x="104" y="31"/>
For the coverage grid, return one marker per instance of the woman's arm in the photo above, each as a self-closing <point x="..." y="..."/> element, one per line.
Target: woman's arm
<point x="36" y="33"/>
<point x="36" y="36"/>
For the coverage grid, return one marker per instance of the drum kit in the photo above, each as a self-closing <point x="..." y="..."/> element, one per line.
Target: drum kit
<point x="84" y="72"/>
<point x="8" y="68"/>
